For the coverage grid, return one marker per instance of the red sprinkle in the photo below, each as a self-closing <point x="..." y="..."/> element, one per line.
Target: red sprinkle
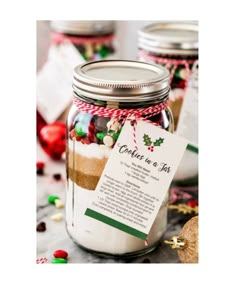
<point x="74" y="135"/>
<point x="60" y="254"/>
<point x="192" y="203"/>
<point x="182" y="84"/>
<point x="40" y="165"/>
<point x="85" y="141"/>
<point x="91" y="132"/>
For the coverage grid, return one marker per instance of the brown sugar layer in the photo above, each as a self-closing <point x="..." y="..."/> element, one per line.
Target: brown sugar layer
<point x="83" y="180"/>
<point x="86" y="166"/>
<point x="175" y="107"/>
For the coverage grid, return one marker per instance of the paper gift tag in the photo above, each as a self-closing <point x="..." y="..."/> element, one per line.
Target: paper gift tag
<point x="134" y="183"/>
<point x="54" y="81"/>
<point x="188" y="119"/>
<point x="188" y="128"/>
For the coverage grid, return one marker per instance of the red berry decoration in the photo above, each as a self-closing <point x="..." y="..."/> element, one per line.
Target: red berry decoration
<point x="60" y="254"/>
<point x="151" y="148"/>
<point x="192" y="203"/>
<point x="52" y="138"/>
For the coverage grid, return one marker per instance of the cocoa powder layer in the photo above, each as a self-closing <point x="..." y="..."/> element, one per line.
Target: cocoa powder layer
<point x="83" y="180"/>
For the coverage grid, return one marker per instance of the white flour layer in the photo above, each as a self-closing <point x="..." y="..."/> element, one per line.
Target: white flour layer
<point x="98" y="236"/>
<point x="91" y="150"/>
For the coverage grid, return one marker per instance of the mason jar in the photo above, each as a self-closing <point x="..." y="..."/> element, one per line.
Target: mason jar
<point x="94" y="40"/>
<point x="91" y="135"/>
<point x="175" y="46"/>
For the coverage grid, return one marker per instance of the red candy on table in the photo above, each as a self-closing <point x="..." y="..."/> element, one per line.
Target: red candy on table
<point x="40" y="168"/>
<point x="40" y="165"/>
<point x="192" y="203"/>
<point x="60" y="254"/>
<point x="52" y="138"/>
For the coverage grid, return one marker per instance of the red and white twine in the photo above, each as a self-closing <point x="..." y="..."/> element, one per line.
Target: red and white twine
<point x="41" y="260"/>
<point x="58" y="38"/>
<point x="120" y="113"/>
<point x="123" y="114"/>
<point x="170" y="64"/>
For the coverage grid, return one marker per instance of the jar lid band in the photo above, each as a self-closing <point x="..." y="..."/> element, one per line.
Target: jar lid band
<point x="170" y="37"/>
<point x="121" y="81"/>
<point x="84" y="27"/>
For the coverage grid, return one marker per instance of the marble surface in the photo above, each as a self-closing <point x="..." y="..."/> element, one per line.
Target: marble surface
<point x="55" y="237"/>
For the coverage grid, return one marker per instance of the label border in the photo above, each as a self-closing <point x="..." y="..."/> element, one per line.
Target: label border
<point x="114" y="223"/>
<point x="192" y="148"/>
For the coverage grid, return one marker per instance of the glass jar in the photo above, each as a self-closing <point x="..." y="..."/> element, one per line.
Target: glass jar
<point x="174" y="45"/>
<point x="92" y="39"/>
<point x="120" y="85"/>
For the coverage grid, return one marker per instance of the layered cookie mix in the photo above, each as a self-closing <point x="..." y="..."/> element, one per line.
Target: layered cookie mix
<point x="90" y="143"/>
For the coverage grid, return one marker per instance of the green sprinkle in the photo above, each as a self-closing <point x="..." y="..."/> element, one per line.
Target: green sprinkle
<point x="51" y="199"/>
<point x="85" y="56"/>
<point x="116" y="135"/>
<point x="59" y="261"/>
<point x="104" y="52"/>
<point x="100" y="135"/>
<point x="79" y="131"/>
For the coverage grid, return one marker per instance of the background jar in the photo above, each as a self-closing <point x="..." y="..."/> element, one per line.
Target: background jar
<point x="121" y="85"/>
<point x="175" y="46"/>
<point x="94" y="40"/>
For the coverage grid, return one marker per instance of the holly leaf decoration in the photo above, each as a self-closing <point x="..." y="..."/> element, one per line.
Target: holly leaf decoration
<point x="158" y="142"/>
<point x="147" y="140"/>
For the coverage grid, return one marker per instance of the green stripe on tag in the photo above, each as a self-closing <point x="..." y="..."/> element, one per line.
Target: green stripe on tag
<point x="192" y="148"/>
<point x="116" y="224"/>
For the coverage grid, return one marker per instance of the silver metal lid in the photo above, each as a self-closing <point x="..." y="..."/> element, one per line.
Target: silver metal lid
<point x="170" y="38"/>
<point x="83" y="27"/>
<point x="121" y="80"/>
